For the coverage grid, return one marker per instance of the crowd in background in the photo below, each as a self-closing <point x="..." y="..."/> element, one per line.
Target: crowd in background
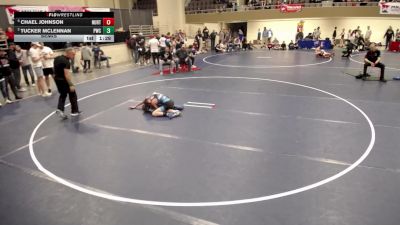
<point x="166" y="49"/>
<point x="232" y="5"/>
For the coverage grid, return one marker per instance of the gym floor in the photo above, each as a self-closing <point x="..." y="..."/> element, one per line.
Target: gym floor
<point x="266" y="137"/>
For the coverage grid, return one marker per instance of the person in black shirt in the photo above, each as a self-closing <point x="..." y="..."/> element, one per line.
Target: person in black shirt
<point x="183" y="58"/>
<point x="213" y="35"/>
<point x="283" y="46"/>
<point x="15" y="67"/>
<point x="389" y="36"/>
<point x="291" y="45"/>
<point x="63" y="80"/>
<point x="334" y="36"/>
<point x="166" y="59"/>
<point x="6" y="77"/>
<point x="373" y="58"/>
<point x="132" y="44"/>
<point x="206" y="35"/>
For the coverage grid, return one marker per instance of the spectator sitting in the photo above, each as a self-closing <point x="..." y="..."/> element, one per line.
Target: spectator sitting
<point x="192" y="53"/>
<point x="361" y="43"/>
<point x="283" y="46"/>
<point x="309" y="36"/>
<point x="291" y="45"/>
<point x="348" y="50"/>
<point x="230" y="46"/>
<point x="270" y="46"/>
<point x="237" y="43"/>
<point x="220" y="47"/>
<point x="275" y="44"/>
<point x="183" y="58"/>
<point x="103" y="57"/>
<point x="246" y="46"/>
<point x="2" y="34"/>
<point x="166" y="59"/>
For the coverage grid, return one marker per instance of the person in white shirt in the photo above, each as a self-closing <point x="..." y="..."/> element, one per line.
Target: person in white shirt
<point x="37" y="65"/>
<point x="22" y="56"/>
<point x="163" y="42"/>
<point x="48" y="64"/>
<point x="154" y="45"/>
<point x="368" y="34"/>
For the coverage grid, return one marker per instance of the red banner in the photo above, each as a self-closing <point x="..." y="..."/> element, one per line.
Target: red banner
<point x="290" y="8"/>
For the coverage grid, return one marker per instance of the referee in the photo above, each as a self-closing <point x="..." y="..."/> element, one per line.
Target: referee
<point x="63" y="80"/>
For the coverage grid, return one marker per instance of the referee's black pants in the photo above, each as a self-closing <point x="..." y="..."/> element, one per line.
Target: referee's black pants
<point x="63" y="89"/>
<point x="379" y="65"/>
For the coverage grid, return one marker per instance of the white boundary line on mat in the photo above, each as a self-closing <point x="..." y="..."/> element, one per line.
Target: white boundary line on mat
<point x="214" y="203"/>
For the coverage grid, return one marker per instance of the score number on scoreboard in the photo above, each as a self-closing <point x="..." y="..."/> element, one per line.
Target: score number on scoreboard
<point x="102" y="34"/>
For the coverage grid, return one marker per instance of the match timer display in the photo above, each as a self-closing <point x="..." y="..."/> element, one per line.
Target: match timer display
<point x="64" y="26"/>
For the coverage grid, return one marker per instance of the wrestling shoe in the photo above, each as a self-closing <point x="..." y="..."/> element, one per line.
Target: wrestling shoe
<point x="61" y="114"/>
<point x="383" y="80"/>
<point x="76" y="113"/>
<point x="8" y="101"/>
<point x="179" y="107"/>
<point x="174" y="114"/>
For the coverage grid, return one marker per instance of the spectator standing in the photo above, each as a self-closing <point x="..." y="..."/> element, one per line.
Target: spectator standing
<point x="349" y="35"/>
<point x="48" y="64"/>
<point x="96" y="55"/>
<point x="163" y="42"/>
<point x="368" y="34"/>
<point x="222" y="35"/>
<point x="22" y="56"/>
<point x="132" y="44"/>
<point x="318" y="33"/>
<point x="265" y="36"/>
<point x="241" y="35"/>
<point x="154" y="49"/>
<point x="198" y="39"/>
<point x="206" y="36"/>
<point x="228" y="36"/>
<point x="6" y="77"/>
<point x="259" y="35"/>
<point x="342" y="37"/>
<point x="15" y="67"/>
<point x="141" y="48"/>
<point x="36" y="56"/>
<point x="213" y="35"/>
<point x="389" y="36"/>
<point x="86" y="57"/>
<point x="334" y="36"/>
<point x="269" y="35"/>
<point x="10" y="35"/>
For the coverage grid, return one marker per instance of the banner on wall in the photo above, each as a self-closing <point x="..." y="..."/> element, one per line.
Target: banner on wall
<point x="290" y="8"/>
<point x="389" y="8"/>
<point x="10" y="10"/>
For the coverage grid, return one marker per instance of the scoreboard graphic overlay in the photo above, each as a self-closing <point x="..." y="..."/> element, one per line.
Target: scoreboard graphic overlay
<point x="64" y="26"/>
